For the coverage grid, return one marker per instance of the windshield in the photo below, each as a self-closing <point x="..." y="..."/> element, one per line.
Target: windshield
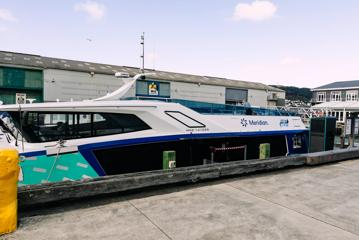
<point x="8" y="124"/>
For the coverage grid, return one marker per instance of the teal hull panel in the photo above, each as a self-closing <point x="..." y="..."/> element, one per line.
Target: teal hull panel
<point x="42" y="169"/>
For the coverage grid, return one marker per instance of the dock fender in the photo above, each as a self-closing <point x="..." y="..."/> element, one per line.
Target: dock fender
<point x="9" y="173"/>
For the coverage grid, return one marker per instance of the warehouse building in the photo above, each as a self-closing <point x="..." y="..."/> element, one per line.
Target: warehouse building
<point x="45" y="79"/>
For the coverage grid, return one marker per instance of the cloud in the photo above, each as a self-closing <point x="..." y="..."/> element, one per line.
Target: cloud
<point x="255" y="11"/>
<point x="6" y="15"/>
<point x="290" y="61"/>
<point x="3" y="29"/>
<point x="94" y="10"/>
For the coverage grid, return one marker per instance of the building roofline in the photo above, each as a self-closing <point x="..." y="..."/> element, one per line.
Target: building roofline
<point x="28" y="54"/>
<point x="339" y="85"/>
<point x="42" y="62"/>
<point x="333" y="89"/>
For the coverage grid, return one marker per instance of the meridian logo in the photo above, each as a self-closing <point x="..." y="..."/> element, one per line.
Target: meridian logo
<point x="246" y="122"/>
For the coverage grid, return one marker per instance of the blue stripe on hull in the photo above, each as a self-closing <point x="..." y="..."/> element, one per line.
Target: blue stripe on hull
<point x="33" y="154"/>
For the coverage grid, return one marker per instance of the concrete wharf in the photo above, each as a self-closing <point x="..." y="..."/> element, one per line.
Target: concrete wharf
<point x="320" y="202"/>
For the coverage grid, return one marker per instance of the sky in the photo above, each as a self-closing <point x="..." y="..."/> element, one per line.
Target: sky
<point x="302" y="43"/>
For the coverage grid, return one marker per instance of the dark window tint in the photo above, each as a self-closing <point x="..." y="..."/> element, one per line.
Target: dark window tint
<point x="108" y="123"/>
<point x="46" y="126"/>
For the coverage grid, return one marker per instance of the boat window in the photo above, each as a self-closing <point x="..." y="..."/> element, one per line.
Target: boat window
<point x="52" y="126"/>
<point x="297" y="142"/>
<point x="9" y="125"/>
<point x="109" y="123"/>
<point x="184" y="119"/>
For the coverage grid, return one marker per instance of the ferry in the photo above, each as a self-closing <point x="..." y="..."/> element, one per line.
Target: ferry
<point x="69" y="141"/>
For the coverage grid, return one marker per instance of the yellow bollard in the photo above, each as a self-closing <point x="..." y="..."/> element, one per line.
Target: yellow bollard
<point x="9" y="173"/>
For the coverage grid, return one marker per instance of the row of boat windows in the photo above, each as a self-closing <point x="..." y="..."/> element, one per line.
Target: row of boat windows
<point x="52" y="126"/>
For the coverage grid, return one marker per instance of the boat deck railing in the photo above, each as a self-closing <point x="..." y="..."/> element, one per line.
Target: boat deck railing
<point x="225" y="109"/>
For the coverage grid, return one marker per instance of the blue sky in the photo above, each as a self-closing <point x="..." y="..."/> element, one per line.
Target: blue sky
<point x="303" y="43"/>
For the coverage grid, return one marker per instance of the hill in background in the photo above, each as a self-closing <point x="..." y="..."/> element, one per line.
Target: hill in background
<point x="295" y="93"/>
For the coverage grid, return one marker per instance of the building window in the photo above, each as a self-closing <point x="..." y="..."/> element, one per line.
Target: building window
<point x="321" y="97"/>
<point x="341" y="116"/>
<point x="236" y="96"/>
<point x="352" y="95"/>
<point x="335" y="96"/>
<point x="19" y="80"/>
<point x="53" y="126"/>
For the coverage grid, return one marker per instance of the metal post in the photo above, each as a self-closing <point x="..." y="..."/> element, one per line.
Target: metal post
<point x="143" y="52"/>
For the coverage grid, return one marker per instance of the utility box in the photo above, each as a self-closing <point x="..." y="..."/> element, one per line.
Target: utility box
<point x="264" y="151"/>
<point x="169" y="159"/>
<point x="322" y="134"/>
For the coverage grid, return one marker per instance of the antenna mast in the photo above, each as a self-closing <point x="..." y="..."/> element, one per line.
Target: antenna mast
<point x="143" y="52"/>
